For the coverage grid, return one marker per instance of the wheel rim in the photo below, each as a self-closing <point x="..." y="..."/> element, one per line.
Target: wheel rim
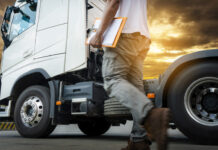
<point x="31" y="111"/>
<point x="201" y="101"/>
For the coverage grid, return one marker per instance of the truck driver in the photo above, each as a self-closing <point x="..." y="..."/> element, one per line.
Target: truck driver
<point x="123" y="72"/>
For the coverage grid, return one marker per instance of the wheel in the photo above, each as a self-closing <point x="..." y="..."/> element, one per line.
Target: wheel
<point x="31" y="113"/>
<point x="193" y="100"/>
<point x="94" y="127"/>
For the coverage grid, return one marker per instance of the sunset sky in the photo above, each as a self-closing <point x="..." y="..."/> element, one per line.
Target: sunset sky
<point x="177" y="27"/>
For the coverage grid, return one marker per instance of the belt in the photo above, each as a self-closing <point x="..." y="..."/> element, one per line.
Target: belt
<point x="136" y="34"/>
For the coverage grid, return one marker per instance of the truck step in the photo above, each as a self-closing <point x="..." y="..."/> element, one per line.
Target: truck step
<point x="7" y="126"/>
<point x="5" y="110"/>
<point x="112" y="107"/>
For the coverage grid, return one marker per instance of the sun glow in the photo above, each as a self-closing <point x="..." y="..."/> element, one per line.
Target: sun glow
<point x="168" y="59"/>
<point x="155" y="48"/>
<point x="175" y="35"/>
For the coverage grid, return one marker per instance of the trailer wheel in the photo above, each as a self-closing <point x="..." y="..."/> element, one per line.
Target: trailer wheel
<point x="94" y="127"/>
<point x="193" y="100"/>
<point x="31" y="113"/>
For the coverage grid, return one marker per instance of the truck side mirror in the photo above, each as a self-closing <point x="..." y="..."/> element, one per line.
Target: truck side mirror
<point x="5" y="25"/>
<point x="8" y="12"/>
<point x="6" y="19"/>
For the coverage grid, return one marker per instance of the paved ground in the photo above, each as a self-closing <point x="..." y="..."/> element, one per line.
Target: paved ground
<point x="70" y="138"/>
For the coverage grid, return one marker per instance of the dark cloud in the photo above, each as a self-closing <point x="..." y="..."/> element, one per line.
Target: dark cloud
<point x="197" y="20"/>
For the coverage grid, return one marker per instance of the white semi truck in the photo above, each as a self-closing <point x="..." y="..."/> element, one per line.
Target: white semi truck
<point x="50" y="77"/>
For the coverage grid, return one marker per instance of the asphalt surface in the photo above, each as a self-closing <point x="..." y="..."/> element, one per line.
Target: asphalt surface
<point x="70" y="138"/>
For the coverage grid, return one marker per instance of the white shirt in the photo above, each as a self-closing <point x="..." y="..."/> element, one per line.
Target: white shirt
<point x="136" y="13"/>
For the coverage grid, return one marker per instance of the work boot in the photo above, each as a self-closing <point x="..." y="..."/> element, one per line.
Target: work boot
<point x="144" y="145"/>
<point x="156" y="125"/>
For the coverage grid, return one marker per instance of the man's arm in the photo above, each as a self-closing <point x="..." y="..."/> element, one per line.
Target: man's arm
<point x="108" y="15"/>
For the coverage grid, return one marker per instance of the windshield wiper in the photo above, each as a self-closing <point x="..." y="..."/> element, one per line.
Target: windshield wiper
<point x="18" y="10"/>
<point x="28" y="1"/>
<point x="32" y="3"/>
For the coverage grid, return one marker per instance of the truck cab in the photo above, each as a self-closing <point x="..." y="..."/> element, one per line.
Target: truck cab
<point x="45" y="48"/>
<point x="49" y="76"/>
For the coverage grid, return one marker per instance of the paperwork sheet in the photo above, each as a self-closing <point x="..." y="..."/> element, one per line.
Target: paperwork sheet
<point x="111" y="34"/>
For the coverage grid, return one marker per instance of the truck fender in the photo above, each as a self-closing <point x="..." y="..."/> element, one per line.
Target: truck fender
<point x="53" y="87"/>
<point x="168" y="75"/>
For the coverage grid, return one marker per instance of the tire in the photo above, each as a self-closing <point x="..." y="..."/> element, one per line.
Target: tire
<point x="94" y="127"/>
<point x="193" y="92"/>
<point x="31" y="113"/>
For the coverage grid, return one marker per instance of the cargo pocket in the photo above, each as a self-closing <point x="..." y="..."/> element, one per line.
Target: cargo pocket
<point x="108" y="65"/>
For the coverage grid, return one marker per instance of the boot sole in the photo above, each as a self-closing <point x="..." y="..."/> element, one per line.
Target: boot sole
<point x="162" y="138"/>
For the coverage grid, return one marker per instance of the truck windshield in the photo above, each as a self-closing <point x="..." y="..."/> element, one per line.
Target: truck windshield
<point x="22" y="22"/>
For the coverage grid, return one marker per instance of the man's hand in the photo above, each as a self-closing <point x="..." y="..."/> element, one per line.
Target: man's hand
<point x="108" y="15"/>
<point x="96" y="41"/>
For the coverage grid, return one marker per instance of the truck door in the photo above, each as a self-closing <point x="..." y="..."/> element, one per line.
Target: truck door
<point x="76" y="52"/>
<point x="22" y="34"/>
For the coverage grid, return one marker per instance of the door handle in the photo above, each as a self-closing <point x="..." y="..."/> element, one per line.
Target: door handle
<point x="27" y="53"/>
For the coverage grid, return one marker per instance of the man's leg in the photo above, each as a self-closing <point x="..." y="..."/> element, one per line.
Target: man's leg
<point x="115" y="70"/>
<point x="135" y="76"/>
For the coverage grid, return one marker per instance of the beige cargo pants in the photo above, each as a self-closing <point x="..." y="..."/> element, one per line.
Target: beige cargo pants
<point x="122" y="71"/>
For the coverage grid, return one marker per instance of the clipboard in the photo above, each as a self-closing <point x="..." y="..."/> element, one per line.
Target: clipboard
<point x="112" y="34"/>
